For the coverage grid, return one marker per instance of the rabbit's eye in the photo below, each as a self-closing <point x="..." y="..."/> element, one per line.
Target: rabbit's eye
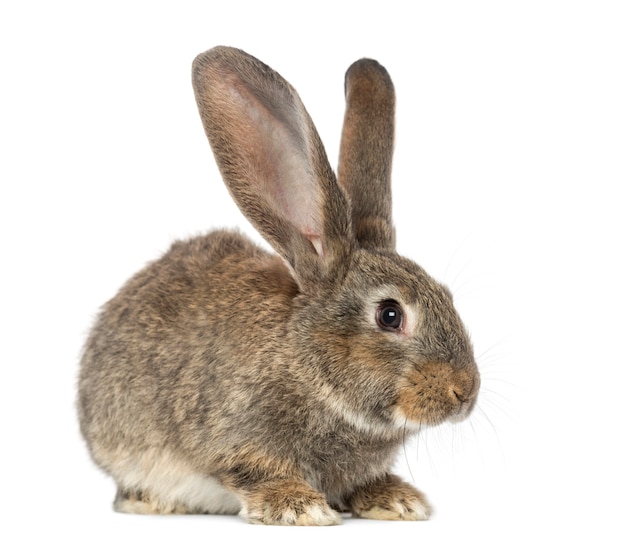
<point x="389" y="315"/>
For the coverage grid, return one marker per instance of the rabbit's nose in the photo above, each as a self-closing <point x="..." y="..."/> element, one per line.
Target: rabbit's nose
<point x="465" y="389"/>
<point x="464" y="392"/>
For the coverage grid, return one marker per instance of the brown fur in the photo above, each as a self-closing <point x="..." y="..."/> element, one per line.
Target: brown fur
<point x="389" y="497"/>
<point x="366" y="152"/>
<point x="223" y="378"/>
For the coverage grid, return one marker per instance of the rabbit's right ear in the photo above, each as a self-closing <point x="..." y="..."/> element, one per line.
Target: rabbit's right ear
<point x="273" y="162"/>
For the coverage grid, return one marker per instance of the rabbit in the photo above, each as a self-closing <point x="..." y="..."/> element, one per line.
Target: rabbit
<point x="223" y="378"/>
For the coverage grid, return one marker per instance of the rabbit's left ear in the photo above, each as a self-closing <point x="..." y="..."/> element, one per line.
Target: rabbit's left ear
<point x="366" y="152"/>
<point x="273" y="162"/>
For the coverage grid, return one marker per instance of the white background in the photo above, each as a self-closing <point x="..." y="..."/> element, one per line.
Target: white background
<point x="509" y="185"/>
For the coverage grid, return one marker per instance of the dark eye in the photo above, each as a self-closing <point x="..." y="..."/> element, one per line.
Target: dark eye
<point x="389" y="315"/>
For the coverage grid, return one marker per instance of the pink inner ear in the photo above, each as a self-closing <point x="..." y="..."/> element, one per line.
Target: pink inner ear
<point x="275" y="148"/>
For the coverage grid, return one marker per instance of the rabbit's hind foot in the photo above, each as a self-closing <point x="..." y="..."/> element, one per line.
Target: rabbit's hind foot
<point x="140" y="502"/>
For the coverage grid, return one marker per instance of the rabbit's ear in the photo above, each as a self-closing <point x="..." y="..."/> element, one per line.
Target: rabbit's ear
<point x="273" y="162"/>
<point x="366" y="152"/>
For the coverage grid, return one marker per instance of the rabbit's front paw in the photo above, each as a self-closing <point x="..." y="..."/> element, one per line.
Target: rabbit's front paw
<point x="390" y="498"/>
<point x="288" y="503"/>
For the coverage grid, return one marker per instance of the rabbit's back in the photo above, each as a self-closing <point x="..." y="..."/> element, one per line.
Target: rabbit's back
<point x="158" y="359"/>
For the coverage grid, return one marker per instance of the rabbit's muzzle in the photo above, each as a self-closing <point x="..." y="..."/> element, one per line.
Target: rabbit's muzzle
<point x="434" y="391"/>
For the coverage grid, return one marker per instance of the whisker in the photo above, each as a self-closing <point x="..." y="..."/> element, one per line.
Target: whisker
<point x="455" y="254"/>
<point x="482" y="355"/>
<point x="406" y="457"/>
<point x="493" y="427"/>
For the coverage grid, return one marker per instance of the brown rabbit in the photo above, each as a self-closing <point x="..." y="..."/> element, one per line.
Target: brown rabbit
<point x="223" y="378"/>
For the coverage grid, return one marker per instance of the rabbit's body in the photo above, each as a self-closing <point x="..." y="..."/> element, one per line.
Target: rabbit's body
<point x="224" y="378"/>
<point x="162" y="400"/>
